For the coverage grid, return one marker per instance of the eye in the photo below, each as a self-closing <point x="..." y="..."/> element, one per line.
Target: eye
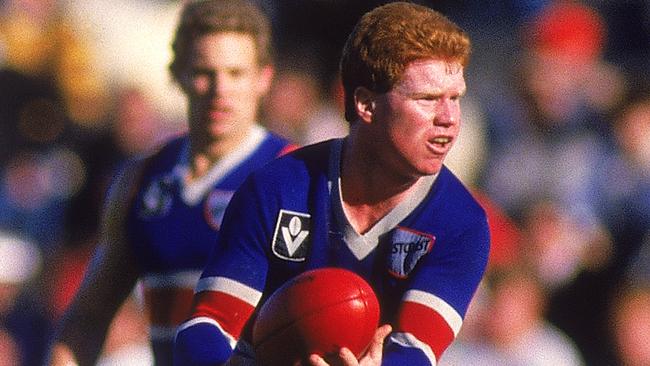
<point x="198" y="72"/>
<point x="429" y="98"/>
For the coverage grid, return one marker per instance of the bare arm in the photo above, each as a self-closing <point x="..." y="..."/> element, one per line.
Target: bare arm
<point x="110" y="278"/>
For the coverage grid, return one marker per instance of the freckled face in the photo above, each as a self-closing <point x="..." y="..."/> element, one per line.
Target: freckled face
<point x="418" y="120"/>
<point x="224" y="84"/>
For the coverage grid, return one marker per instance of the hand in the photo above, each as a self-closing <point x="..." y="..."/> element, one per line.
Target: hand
<point x="372" y="356"/>
<point x="62" y="356"/>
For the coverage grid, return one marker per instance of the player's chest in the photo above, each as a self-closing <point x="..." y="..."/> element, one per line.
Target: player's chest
<point x="168" y="232"/>
<point x="298" y="244"/>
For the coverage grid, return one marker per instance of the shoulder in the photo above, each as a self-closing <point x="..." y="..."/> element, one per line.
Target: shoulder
<point x="454" y="217"/>
<point x="302" y="163"/>
<point x="134" y="171"/>
<point x="166" y="153"/>
<point x="290" y="179"/>
<point x="125" y="183"/>
<point x="456" y="199"/>
<point x="266" y="145"/>
<point x="278" y="144"/>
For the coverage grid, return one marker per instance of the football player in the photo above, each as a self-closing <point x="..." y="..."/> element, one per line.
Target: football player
<point x="163" y="213"/>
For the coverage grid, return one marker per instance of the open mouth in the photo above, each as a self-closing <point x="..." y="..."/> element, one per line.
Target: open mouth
<point x="441" y="140"/>
<point x="440" y="144"/>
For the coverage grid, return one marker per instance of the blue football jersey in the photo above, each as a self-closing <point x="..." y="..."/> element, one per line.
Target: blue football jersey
<point x="424" y="259"/>
<point x="172" y="225"/>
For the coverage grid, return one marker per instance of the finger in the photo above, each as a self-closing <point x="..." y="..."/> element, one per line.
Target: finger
<point x="348" y="358"/>
<point x="376" y="347"/>
<point x="382" y="332"/>
<point x="316" y="360"/>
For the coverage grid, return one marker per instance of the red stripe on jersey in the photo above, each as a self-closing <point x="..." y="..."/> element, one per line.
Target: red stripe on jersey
<point x="168" y="307"/>
<point x="230" y="312"/>
<point x="287" y="149"/>
<point x="426" y="325"/>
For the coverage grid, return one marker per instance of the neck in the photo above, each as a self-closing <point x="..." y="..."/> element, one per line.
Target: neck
<point x="369" y="190"/>
<point x="206" y="151"/>
<point x="366" y="178"/>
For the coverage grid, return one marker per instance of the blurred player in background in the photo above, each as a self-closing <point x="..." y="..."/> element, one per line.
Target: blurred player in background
<point x="163" y="212"/>
<point x="379" y="202"/>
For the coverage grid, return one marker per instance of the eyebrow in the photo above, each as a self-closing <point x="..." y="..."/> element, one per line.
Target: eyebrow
<point x="434" y="93"/>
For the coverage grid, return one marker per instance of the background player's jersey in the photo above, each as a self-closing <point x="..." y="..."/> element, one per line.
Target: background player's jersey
<point x="424" y="259"/>
<point x="172" y="225"/>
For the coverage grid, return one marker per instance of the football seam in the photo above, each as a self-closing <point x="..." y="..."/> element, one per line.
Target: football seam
<point x="305" y="315"/>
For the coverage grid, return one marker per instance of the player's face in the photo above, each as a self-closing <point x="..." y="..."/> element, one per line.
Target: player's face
<point x="224" y="84"/>
<point x="419" y="118"/>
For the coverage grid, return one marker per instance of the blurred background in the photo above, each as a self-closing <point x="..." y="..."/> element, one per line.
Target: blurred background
<point x="555" y="145"/>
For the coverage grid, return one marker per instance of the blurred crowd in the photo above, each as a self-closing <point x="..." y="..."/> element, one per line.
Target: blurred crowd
<point x="555" y="144"/>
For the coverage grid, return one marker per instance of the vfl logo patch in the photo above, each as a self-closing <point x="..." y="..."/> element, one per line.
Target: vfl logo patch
<point x="157" y="198"/>
<point x="291" y="238"/>
<point x="215" y="207"/>
<point x="406" y="248"/>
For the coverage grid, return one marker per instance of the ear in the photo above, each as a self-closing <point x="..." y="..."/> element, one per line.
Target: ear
<point x="265" y="78"/>
<point x="364" y="102"/>
<point x="182" y="79"/>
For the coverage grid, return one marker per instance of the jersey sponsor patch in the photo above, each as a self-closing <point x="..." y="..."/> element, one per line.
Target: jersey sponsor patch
<point x="215" y="207"/>
<point x="157" y="198"/>
<point x="407" y="247"/>
<point x="291" y="239"/>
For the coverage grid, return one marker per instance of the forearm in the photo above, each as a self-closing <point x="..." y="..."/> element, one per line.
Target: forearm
<point x="221" y="308"/>
<point x="85" y="324"/>
<point x="81" y="333"/>
<point x="200" y="342"/>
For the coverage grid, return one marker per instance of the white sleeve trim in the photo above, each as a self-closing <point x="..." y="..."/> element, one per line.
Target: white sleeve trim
<point x="205" y="320"/>
<point x="408" y="340"/>
<point x="230" y="287"/>
<point x="437" y="304"/>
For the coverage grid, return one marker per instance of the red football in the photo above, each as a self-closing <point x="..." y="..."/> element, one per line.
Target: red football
<point x="318" y="311"/>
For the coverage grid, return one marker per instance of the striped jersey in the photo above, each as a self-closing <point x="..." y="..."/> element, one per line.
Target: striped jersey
<point x="172" y="225"/>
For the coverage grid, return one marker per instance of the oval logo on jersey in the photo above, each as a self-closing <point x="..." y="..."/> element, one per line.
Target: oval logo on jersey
<point x="407" y="247"/>
<point x="157" y="198"/>
<point x="215" y="207"/>
<point x="291" y="238"/>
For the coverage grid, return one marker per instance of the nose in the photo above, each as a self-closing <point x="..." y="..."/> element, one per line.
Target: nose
<point x="215" y="85"/>
<point x="446" y="113"/>
<point x="218" y="84"/>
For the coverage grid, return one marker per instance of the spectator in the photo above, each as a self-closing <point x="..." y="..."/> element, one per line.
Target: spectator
<point x="549" y="140"/>
<point x="511" y="329"/>
<point x="630" y="324"/>
<point x="625" y="180"/>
